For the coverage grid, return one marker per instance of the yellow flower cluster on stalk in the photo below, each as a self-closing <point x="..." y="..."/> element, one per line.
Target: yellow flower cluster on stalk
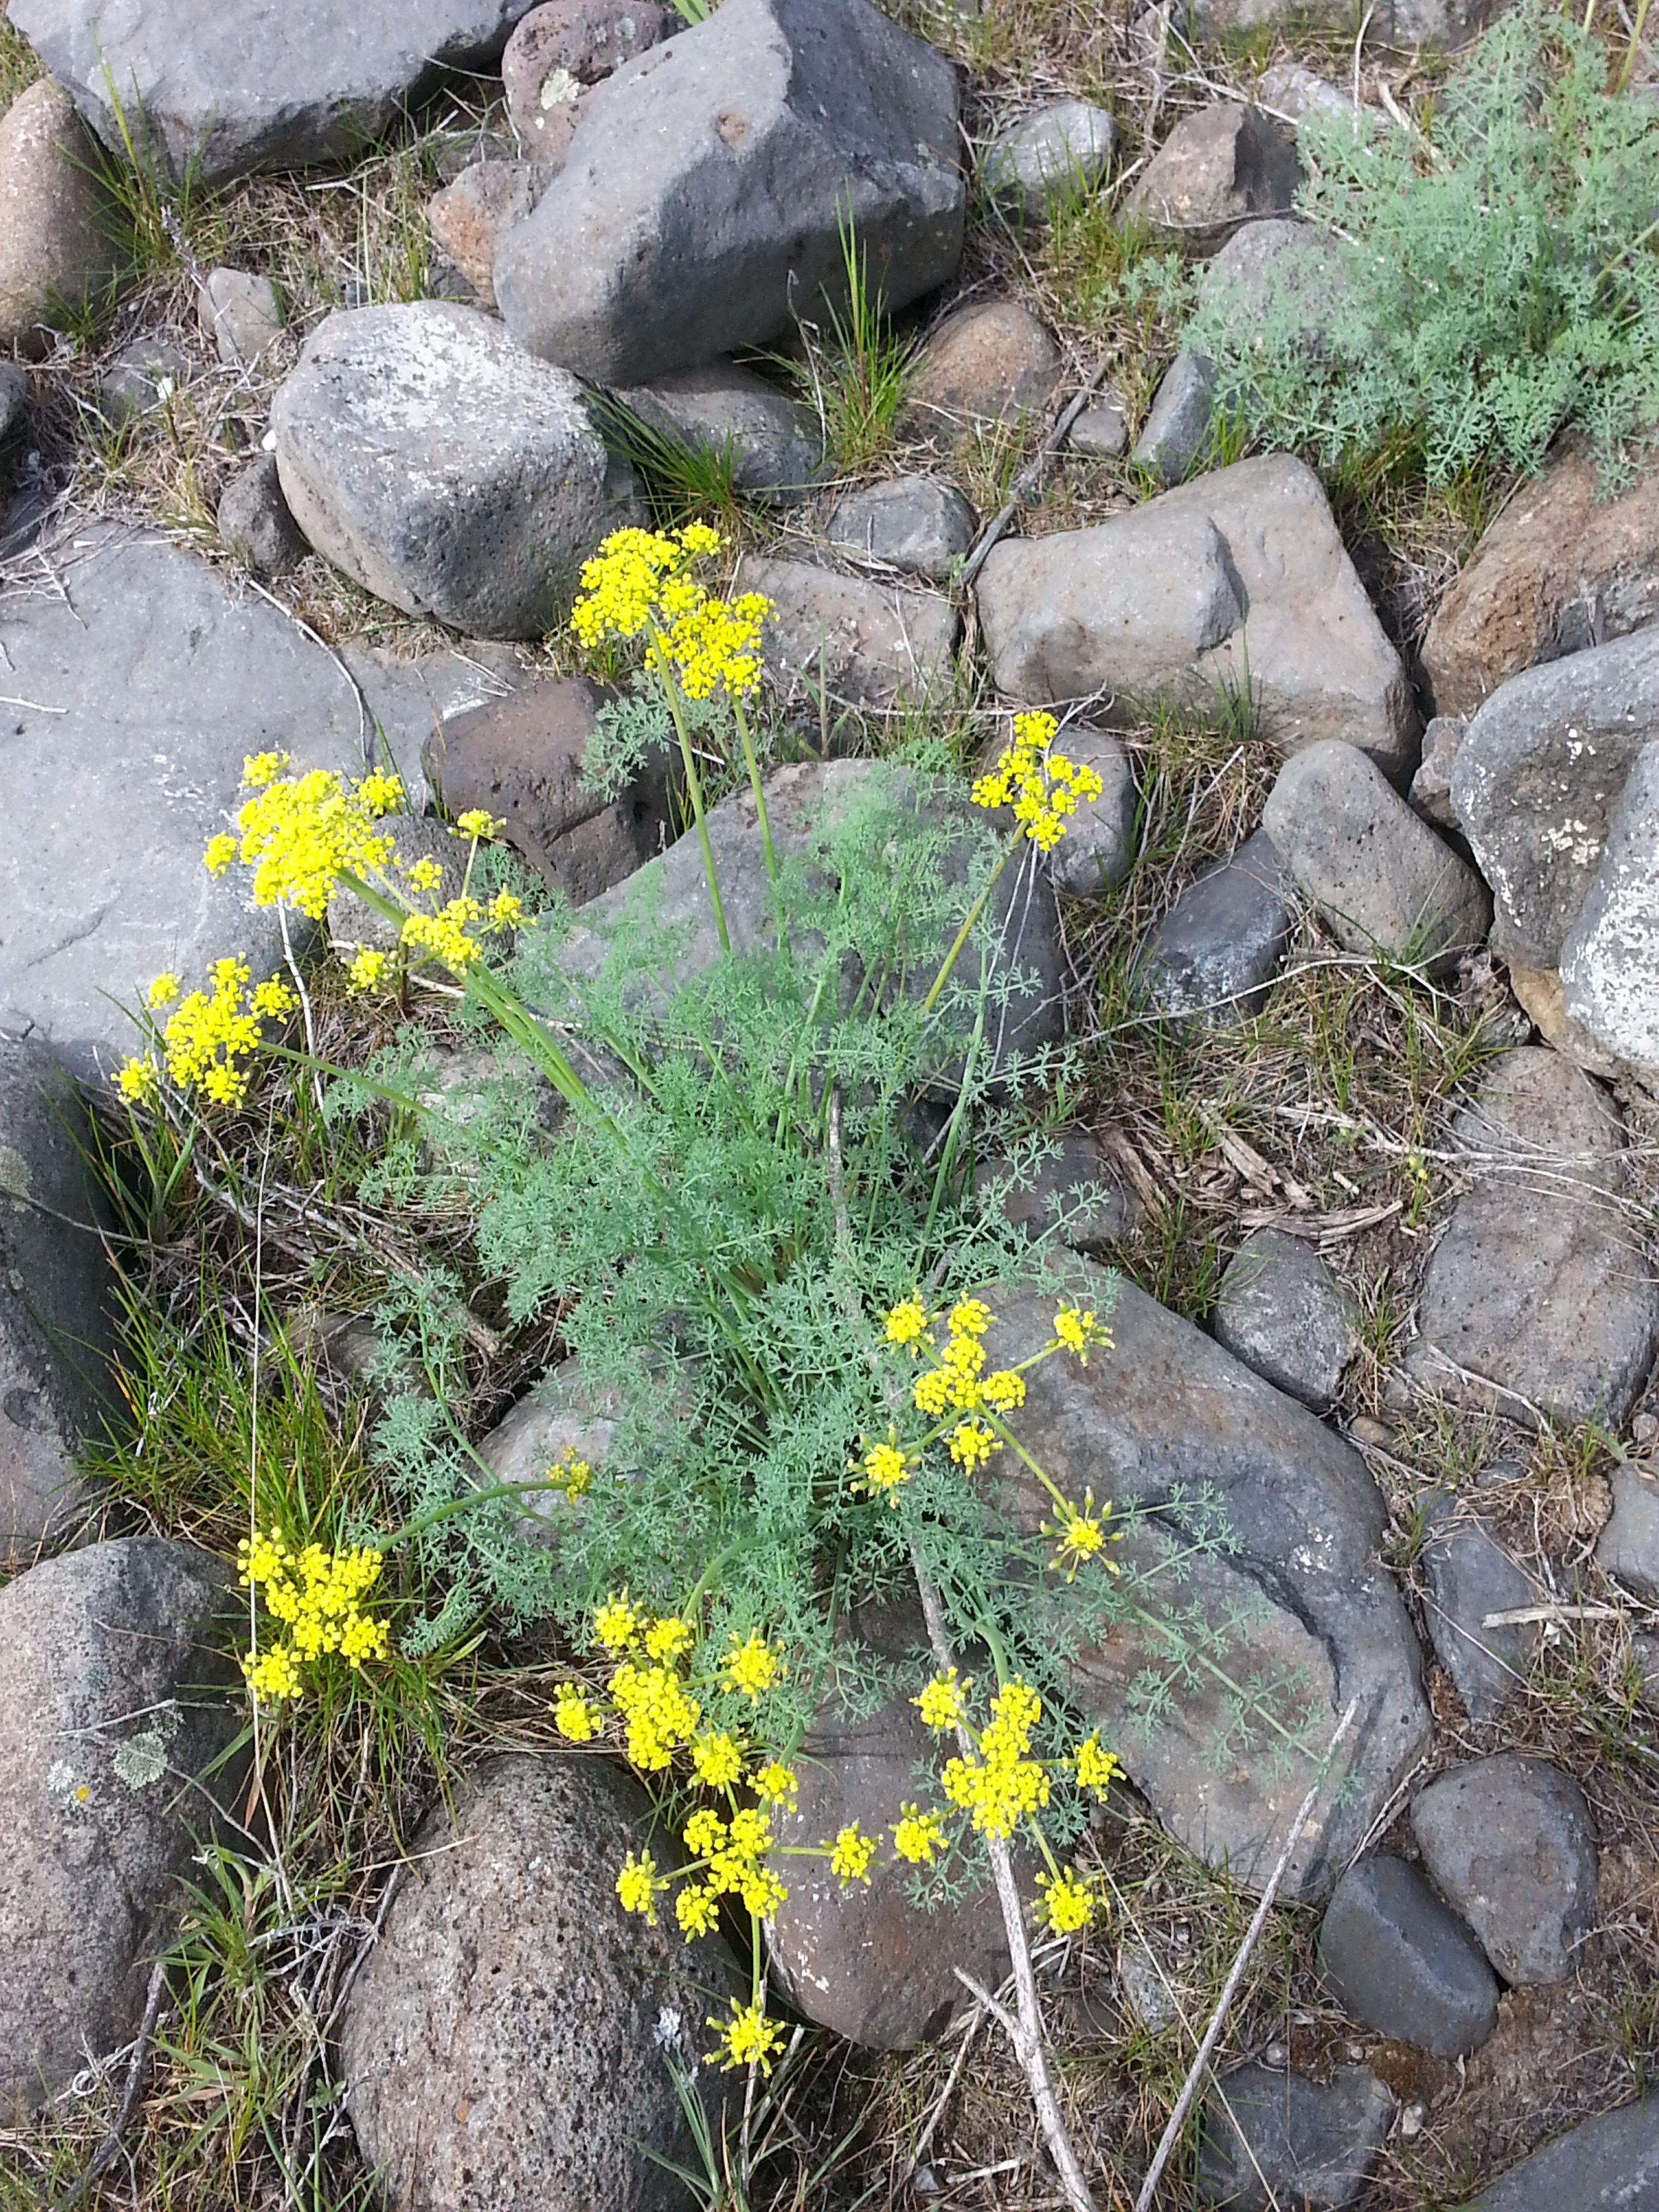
<point x="210" y="1037"/>
<point x="299" y="834"/>
<point x="319" y="1598"/>
<point x="1042" y="785"/>
<point x="638" y="585"/>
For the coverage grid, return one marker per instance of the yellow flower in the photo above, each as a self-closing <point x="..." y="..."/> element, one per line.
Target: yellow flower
<point x="137" y="1081"/>
<point x="1077" y="1330"/>
<point x="704" y="1833"/>
<point x="701" y="537"/>
<point x="617" y="1623"/>
<point x="1042" y="787"/>
<point x="717" y="1759"/>
<point x="1004" y="1391"/>
<point x="668" y="1636"/>
<point x="850" y="1856"/>
<point x="906" y="1321"/>
<point x="572" y="1476"/>
<point x="272" y="1675"/>
<point x="660" y="1717"/>
<point x="445" y="932"/>
<point x="318" y="1596"/>
<point x="1081" y="1535"/>
<point x="917" y="1836"/>
<point x="697" y="1912"/>
<point x="575" y="1718"/>
<point x="750" y="1668"/>
<point x="426" y="873"/>
<point x="638" y="1885"/>
<point x="933" y="1392"/>
<point x="969" y="1317"/>
<point x="1001" y="1785"/>
<point x="1065" y="1905"/>
<point x="379" y="792"/>
<point x="164" y="990"/>
<point x="942" y="1702"/>
<point x="885" y="1468"/>
<point x="775" y="1783"/>
<point x="272" y="997"/>
<point x="367" y="970"/>
<point x="747" y="2039"/>
<point x="505" y="910"/>
<point x="971" y="1444"/>
<point x="476" y="821"/>
<point x="260" y="768"/>
<point x="1096" y="1766"/>
<point x="299" y="834"/>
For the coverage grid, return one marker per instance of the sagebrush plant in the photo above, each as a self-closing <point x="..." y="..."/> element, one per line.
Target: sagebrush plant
<point x="1493" y="277"/>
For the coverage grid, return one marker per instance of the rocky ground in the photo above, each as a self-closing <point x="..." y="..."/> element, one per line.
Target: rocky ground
<point x="316" y="396"/>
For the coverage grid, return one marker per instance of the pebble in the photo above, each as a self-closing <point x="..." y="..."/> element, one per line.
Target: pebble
<point x="1509" y="1842"/>
<point x="1400" y="1963"/>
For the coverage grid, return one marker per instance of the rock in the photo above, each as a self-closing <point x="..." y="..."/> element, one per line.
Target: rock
<point x="1281" y="1311"/>
<point x="1400" y="24"/>
<point x="1539" y="993"/>
<point x="470" y="217"/>
<point x="117" y="1666"/>
<point x="139" y="378"/>
<point x="56" y="250"/>
<point x="57" y="1302"/>
<point x="1537" y="1300"/>
<point x="868" y="645"/>
<point x="1628" y="1547"/>
<point x="990" y="362"/>
<point x="1177" y="429"/>
<point x="1099" y="844"/>
<point x="1401" y="1965"/>
<point x="1217" y="169"/>
<point x="241" y="314"/>
<point x="421" y="452"/>
<point x="558" y="50"/>
<point x="919" y="524"/>
<point x="1061" y="1183"/>
<point x="1537" y="780"/>
<point x="243" y="88"/>
<point x="14" y="397"/>
<point x="1168" y="1410"/>
<point x="520" y="758"/>
<point x="1430" y="791"/>
<point x="1382" y="880"/>
<point x="1272" y="2138"/>
<point x="1509" y="1842"/>
<point x="1605" y="2164"/>
<point x="503" y="2047"/>
<point x="1291" y="270"/>
<point x="1153" y="606"/>
<point x="862" y="1962"/>
<point x="1610" y="955"/>
<point x="1214" y="951"/>
<point x="1560" y="569"/>
<point x="550" y="1423"/>
<point x="704" y="199"/>
<point x="1645" y="1655"/>
<point x="1470" y="1575"/>
<point x="255" y="523"/>
<point x="1060" y="153"/>
<point x="775" y="447"/>
<point x="1293" y="92"/>
<point x="1102" y="429"/>
<point x="163" y="679"/>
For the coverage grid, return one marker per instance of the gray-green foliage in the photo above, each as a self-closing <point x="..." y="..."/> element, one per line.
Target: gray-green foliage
<point x="1496" y="278"/>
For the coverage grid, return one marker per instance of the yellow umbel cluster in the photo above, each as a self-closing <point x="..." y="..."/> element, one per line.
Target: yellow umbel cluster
<point x="1042" y="785"/>
<point x="318" y="1595"/>
<point x="1004" y="1783"/>
<point x="208" y="1041"/>
<point x="637" y="586"/>
<point x="299" y="833"/>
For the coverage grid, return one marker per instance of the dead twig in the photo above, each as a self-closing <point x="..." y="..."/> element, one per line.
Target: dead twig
<point x="107" y="2151"/>
<point x="1031" y="475"/>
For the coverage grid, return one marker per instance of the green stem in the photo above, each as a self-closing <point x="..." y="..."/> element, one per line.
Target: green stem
<point x="974" y="914"/>
<point x="753" y="767"/>
<point x="692" y="781"/>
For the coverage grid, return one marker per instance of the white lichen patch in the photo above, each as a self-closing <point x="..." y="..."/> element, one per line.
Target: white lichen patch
<point x="141" y="1760"/>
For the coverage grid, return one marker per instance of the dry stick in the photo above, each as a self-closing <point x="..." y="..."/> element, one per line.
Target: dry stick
<point x="108" y="2150"/>
<point x="1212" y="2032"/>
<point x="1029" y="2047"/>
<point x="1031" y="475"/>
<point x="919" y="2150"/>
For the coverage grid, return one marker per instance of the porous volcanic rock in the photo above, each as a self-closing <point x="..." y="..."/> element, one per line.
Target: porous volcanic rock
<point x="1610" y="955"/>
<point x="1509" y="1841"/>
<point x="562" y="48"/>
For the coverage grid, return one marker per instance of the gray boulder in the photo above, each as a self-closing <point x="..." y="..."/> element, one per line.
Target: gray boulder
<point x="504" y="2045"/>
<point x="1469" y="1576"/>
<point x="562" y="48"/>
<point x="1060" y="153"/>
<point x="1538" y="779"/>
<point x="834" y="643"/>
<point x="441" y="467"/>
<point x="116" y="1674"/>
<point x="1509" y="1841"/>
<point x="1177" y="425"/>
<point x="1271" y="2138"/>
<point x="244" y="87"/>
<point x="241" y="313"/>
<point x="1538" y="1300"/>
<point x="1098" y="848"/>
<point x="919" y="524"/>
<point x="1382" y="880"/>
<point x="1401" y="1965"/>
<point x="1610" y="955"/>
<point x="255" y="523"/>
<point x="1292" y="92"/>
<point x="775" y="444"/>
<point x="56" y="247"/>
<point x="471" y="215"/>
<point x="1214" y="952"/>
<point x="991" y="361"/>
<point x="1610" y="2164"/>
<point x="1241" y="575"/>
<point x="1281" y="1311"/>
<point x="57" y="1302"/>
<point x="1628" y="1547"/>
<point x="1288" y="269"/>
<point x="702" y="202"/>
<point x="1218" y="169"/>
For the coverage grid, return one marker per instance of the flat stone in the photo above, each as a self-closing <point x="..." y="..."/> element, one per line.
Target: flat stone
<point x="919" y="524"/>
<point x="241" y="313"/>
<point x="255" y="523"/>
<point x="471" y="215"/>
<point x="869" y="645"/>
<point x="1060" y="1185"/>
<point x="1628" y="1547"/>
<point x="1470" y="1575"/>
<point x="1212" y="955"/>
<point x="1561" y="569"/>
<point x="520" y="759"/>
<point x="1537" y="780"/>
<point x="1177" y="429"/>
<point x="1605" y="2164"/>
<point x="57" y="1303"/>
<point x="560" y="49"/>
<point x="1098" y="848"/>
<point x="1059" y="154"/>
<point x="1279" y="1311"/>
<point x="1168" y="1410"/>
<point x="139" y="377"/>
<point x="1610" y="955"/>
<point x="237" y="86"/>
<point x="56" y="248"/>
<point x="1153" y="606"/>
<point x="152" y="680"/>
<point x="509" y="1988"/>
<point x="1509" y="1842"/>
<point x="1538" y="1300"/>
<point x="702" y="204"/>
<point x="776" y="445"/>
<point x="1430" y="791"/>
<point x="1401" y="1965"/>
<point x="1102" y="429"/>
<point x="116" y="1674"/>
<point x="1383" y="882"/>
<point x="1217" y="169"/>
<point x="1272" y="2138"/>
<point x="992" y="362"/>
<point x="440" y="466"/>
